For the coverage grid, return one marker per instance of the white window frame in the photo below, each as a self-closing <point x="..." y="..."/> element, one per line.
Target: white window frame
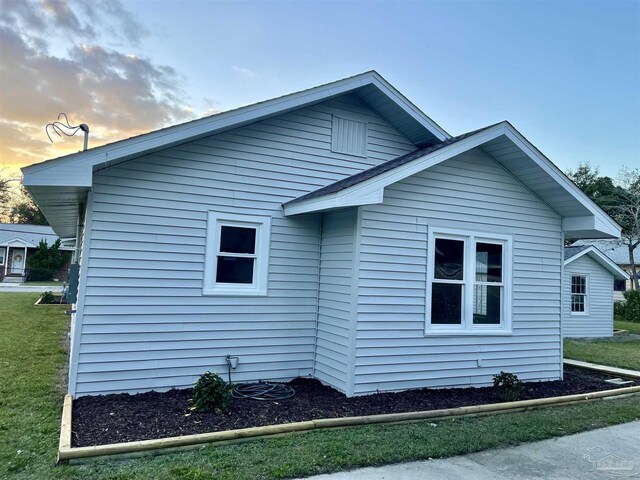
<point x="3" y="253"/>
<point x="471" y="238"/>
<point x="215" y="222"/>
<point x="586" y="293"/>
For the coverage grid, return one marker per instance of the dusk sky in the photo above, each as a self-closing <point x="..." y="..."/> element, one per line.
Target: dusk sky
<point x="566" y="74"/>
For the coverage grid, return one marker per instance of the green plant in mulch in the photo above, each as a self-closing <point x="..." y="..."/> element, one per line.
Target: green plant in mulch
<point x="508" y="386"/>
<point x="48" y="297"/>
<point x="211" y="394"/>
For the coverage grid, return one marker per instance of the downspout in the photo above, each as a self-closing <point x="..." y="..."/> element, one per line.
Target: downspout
<point x="562" y="306"/>
<point x="315" y="338"/>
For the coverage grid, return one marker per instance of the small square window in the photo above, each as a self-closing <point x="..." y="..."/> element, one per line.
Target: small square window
<point x="449" y="259"/>
<point x="237" y="255"/>
<point x="237" y="239"/>
<point x="446" y="304"/>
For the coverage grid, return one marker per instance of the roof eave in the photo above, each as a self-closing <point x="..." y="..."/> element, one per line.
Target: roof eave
<point x="371" y="191"/>
<point x="599" y="257"/>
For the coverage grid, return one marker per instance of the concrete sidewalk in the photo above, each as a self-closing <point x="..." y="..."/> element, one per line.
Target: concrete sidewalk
<point x="22" y="288"/>
<point x="612" y="452"/>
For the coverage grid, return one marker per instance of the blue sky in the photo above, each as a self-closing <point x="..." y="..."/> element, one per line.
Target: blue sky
<point x="566" y="74"/>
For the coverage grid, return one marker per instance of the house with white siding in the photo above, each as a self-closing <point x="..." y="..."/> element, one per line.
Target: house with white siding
<point x="18" y="241"/>
<point x="618" y="252"/>
<point x="588" y="292"/>
<point x="338" y="233"/>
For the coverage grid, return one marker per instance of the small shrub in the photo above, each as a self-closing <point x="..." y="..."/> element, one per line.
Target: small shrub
<point x="507" y="386"/>
<point x="618" y="310"/>
<point x="48" y="297"/>
<point x="631" y="309"/>
<point x="212" y="394"/>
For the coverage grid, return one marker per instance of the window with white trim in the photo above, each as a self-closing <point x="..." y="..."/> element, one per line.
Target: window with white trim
<point x="468" y="283"/>
<point x="579" y="298"/>
<point x="237" y="255"/>
<point x="2" y="255"/>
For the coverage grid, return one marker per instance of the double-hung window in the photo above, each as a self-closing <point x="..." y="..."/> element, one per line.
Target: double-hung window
<point x="237" y="255"/>
<point x="579" y="294"/>
<point x="468" y="283"/>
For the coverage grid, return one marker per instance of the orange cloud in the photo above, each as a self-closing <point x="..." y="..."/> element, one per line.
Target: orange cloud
<point x="116" y="93"/>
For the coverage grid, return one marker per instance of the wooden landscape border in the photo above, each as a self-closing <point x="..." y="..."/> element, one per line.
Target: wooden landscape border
<point x="69" y="454"/>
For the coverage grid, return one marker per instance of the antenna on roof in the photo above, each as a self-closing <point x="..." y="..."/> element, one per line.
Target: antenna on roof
<point x="64" y="127"/>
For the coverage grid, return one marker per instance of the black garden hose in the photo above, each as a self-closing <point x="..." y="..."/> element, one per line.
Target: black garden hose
<point x="263" y="391"/>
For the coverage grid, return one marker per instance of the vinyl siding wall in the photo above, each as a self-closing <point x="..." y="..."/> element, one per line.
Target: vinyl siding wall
<point x="598" y="322"/>
<point x="469" y="192"/>
<point x="143" y="322"/>
<point x="336" y="299"/>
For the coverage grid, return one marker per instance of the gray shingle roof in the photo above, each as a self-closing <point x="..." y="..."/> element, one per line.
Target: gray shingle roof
<point x="382" y="168"/>
<point x="31" y="234"/>
<point x="573" y="251"/>
<point x="615" y="250"/>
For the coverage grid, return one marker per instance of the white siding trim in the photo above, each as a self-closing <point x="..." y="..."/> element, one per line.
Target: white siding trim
<point x="355" y="291"/>
<point x="76" y="334"/>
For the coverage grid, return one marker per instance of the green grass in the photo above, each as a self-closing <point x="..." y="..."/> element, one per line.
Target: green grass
<point x="32" y="355"/>
<point x="44" y="284"/>
<point x="622" y="350"/>
<point x="631" y="327"/>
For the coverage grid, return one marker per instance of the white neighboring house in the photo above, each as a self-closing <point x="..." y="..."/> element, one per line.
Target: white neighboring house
<point x="336" y="232"/>
<point x="618" y="252"/>
<point x="17" y="243"/>
<point x="589" y="277"/>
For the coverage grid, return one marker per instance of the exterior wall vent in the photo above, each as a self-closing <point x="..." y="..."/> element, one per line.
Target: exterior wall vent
<point x="349" y="136"/>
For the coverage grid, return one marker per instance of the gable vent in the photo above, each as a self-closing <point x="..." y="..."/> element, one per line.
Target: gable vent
<point x="349" y="136"/>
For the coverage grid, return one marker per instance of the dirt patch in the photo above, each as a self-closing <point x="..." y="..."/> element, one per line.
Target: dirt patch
<point x="102" y="419"/>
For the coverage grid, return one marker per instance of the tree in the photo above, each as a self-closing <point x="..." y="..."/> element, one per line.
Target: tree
<point x="7" y="187"/>
<point x="620" y="200"/>
<point x="46" y="261"/>
<point x="25" y="210"/>
<point x="627" y="214"/>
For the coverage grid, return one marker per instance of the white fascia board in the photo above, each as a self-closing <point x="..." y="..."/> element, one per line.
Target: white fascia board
<point x="410" y="108"/>
<point x="362" y="193"/>
<point x="600" y="220"/>
<point x="603" y="221"/>
<point x="85" y="161"/>
<point x="23" y="243"/>
<point x="603" y="260"/>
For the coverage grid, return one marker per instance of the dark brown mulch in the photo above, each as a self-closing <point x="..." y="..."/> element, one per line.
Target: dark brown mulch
<point x="102" y="419"/>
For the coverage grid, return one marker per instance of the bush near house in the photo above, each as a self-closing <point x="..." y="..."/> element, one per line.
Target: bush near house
<point x="629" y="310"/>
<point x="45" y="262"/>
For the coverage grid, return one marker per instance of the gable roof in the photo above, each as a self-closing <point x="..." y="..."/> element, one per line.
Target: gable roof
<point x="26" y="234"/>
<point x="582" y="218"/>
<point x="380" y="169"/>
<point x="615" y="249"/>
<point x="60" y="186"/>
<point x="572" y="253"/>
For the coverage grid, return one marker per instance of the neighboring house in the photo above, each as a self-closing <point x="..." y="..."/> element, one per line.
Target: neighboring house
<point x="618" y="252"/>
<point x="17" y="244"/>
<point x="589" y="276"/>
<point x="336" y="232"/>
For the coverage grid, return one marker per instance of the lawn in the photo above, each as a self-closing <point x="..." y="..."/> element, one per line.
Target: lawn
<point x="32" y="354"/>
<point x="631" y="327"/>
<point x="622" y="350"/>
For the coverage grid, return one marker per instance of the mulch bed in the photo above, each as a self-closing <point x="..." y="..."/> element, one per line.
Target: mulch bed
<point x="103" y="419"/>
